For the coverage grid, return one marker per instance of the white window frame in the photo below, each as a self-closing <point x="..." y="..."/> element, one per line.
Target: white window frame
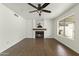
<point x="63" y="36"/>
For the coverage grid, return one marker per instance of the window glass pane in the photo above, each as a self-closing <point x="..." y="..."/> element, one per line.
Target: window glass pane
<point x="69" y="27"/>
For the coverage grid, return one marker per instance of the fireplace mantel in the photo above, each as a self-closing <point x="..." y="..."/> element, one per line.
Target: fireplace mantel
<point x="39" y="29"/>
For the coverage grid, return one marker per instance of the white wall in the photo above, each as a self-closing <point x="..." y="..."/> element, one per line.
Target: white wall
<point x="48" y="24"/>
<point x="73" y="44"/>
<point x="12" y="29"/>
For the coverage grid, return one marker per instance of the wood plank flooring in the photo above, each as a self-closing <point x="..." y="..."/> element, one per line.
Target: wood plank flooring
<point x="39" y="47"/>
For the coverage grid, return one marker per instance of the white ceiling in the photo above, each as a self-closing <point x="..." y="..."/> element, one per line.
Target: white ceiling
<point x="23" y="9"/>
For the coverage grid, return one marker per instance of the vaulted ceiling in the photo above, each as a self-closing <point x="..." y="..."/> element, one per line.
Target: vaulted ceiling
<point x="23" y="9"/>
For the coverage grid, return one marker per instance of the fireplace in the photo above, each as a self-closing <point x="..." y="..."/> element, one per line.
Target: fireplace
<point x="39" y="34"/>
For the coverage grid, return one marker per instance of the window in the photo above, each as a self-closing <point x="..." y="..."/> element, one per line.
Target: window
<point x="66" y="27"/>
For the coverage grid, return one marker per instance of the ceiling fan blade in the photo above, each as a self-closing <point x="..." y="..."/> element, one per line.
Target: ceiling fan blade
<point x="44" y="5"/>
<point x="33" y="11"/>
<point x="46" y="11"/>
<point x="39" y="6"/>
<point x="32" y="5"/>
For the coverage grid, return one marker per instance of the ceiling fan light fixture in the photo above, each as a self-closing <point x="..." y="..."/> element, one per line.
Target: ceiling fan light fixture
<point x="40" y="8"/>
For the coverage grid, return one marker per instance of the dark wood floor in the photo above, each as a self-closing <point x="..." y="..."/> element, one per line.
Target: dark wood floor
<point x="39" y="47"/>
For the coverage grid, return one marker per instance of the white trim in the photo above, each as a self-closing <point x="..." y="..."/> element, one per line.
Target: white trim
<point x="64" y="28"/>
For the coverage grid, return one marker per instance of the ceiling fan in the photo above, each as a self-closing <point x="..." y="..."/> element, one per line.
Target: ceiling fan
<point x="40" y="8"/>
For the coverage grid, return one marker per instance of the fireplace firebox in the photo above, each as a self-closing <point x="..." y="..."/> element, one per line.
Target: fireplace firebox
<point x="39" y="34"/>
